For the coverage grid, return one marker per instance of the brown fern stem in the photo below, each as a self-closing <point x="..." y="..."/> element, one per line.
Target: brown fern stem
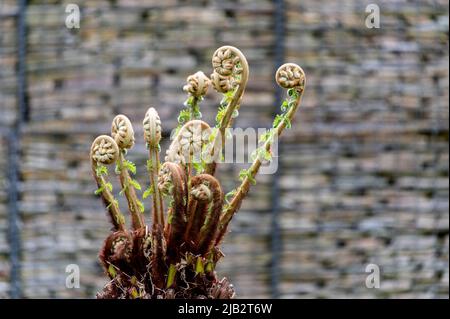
<point x="205" y="189"/>
<point x="233" y="104"/>
<point x="137" y="218"/>
<point x="158" y="257"/>
<point x="209" y="229"/>
<point x="178" y="220"/>
<point x="104" y="144"/>
<point x="158" y="208"/>
<point x="196" y="213"/>
<point x="116" y="251"/>
<point x="244" y="188"/>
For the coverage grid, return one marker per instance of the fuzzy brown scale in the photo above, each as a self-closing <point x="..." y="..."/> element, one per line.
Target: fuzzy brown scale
<point x="176" y="255"/>
<point x="208" y="231"/>
<point x="205" y="208"/>
<point x="178" y="219"/>
<point x="117" y="250"/>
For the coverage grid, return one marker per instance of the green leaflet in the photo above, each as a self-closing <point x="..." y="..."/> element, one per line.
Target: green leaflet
<point x="229" y="195"/>
<point x="266" y="136"/>
<point x="109" y="186"/>
<point x="199" y="167"/>
<point x="287" y="121"/>
<point x="192" y="111"/>
<point x="170" y="218"/>
<point x="226" y="100"/>
<point x="171" y="275"/>
<point x="135" y="184"/>
<point x="112" y="271"/>
<point x="101" y="170"/>
<point x="278" y="119"/>
<point x="262" y="154"/>
<point x="246" y="174"/>
<point x="148" y="192"/>
<point x="242" y="174"/>
<point x="149" y="165"/>
<point x="130" y="166"/>
<point x="184" y="116"/>
<point x="199" y="268"/>
<point x="266" y="155"/>
<point x="99" y="190"/>
<point x="292" y="103"/>
<point x="292" y="93"/>
<point x="285" y="107"/>
<point x="220" y="114"/>
<point x="134" y="293"/>
<point x="114" y="202"/>
<point x="140" y="205"/>
<point x="229" y="96"/>
<point x="123" y="190"/>
<point x="209" y="267"/>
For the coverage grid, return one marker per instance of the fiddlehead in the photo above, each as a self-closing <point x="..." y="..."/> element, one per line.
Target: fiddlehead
<point x="209" y="229"/>
<point x="199" y="202"/>
<point x="152" y="136"/>
<point x="189" y="145"/>
<point x="289" y="76"/>
<point x="230" y="77"/>
<point x="123" y="134"/>
<point x="196" y="87"/>
<point x="142" y="251"/>
<point x="104" y="151"/>
<point x="197" y="84"/>
<point x="116" y="253"/>
<point x="172" y="181"/>
<point x="204" y="209"/>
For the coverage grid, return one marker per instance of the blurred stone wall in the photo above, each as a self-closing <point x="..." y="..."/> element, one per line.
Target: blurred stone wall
<point x="363" y="174"/>
<point x="8" y="116"/>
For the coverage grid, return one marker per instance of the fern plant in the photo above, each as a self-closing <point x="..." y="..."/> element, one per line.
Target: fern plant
<point x="176" y="256"/>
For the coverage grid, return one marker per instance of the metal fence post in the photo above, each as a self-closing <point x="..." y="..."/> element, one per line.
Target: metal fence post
<point x="276" y="245"/>
<point x="13" y="159"/>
